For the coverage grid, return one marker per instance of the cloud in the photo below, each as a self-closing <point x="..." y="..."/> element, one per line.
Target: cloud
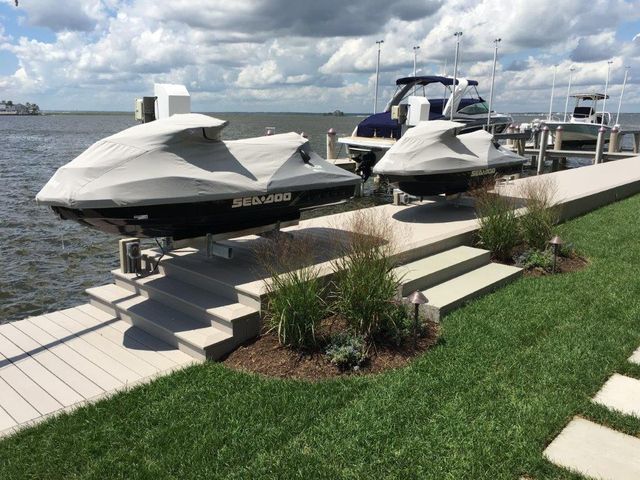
<point x="286" y="54"/>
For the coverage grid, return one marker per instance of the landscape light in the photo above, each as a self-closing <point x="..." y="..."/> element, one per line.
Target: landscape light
<point x="556" y="242"/>
<point x="417" y="298"/>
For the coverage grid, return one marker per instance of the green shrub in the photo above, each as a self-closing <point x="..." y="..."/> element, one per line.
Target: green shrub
<point x="295" y="293"/>
<point x="535" y="259"/>
<point x="295" y="306"/>
<point x="400" y="324"/>
<point x="347" y="351"/>
<point x="538" y="223"/>
<point x="364" y="285"/>
<point x="499" y="228"/>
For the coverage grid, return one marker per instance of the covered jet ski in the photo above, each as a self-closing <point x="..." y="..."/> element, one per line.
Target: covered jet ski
<point x="174" y="177"/>
<point x="434" y="157"/>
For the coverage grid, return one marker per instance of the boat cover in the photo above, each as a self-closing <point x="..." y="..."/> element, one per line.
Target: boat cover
<point x="432" y="147"/>
<point x="180" y="160"/>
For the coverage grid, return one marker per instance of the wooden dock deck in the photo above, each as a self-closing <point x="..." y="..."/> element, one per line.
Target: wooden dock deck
<point x="59" y="361"/>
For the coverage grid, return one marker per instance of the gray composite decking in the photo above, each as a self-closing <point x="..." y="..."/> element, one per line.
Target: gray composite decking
<point x="61" y="360"/>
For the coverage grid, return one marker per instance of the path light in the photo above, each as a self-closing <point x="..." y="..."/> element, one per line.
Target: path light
<point x="417" y="298"/>
<point x="556" y="242"/>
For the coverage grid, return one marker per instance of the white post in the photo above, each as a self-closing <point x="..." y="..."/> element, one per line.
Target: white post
<point x="375" y="98"/>
<point x="599" y="145"/>
<point x="566" y="103"/>
<point x="331" y="144"/>
<point x="415" y="64"/>
<point x="542" y="152"/>
<point x="606" y="87"/>
<point x="493" y="79"/>
<point x="553" y="87"/>
<point x="455" y="73"/>
<point x="624" y="84"/>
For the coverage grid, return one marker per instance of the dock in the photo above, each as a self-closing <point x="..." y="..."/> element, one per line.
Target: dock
<point x="196" y="308"/>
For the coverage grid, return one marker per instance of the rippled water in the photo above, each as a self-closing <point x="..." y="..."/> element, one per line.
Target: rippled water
<point x="47" y="263"/>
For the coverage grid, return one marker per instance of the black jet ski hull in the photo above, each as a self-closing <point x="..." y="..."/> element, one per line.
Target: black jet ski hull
<point x="449" y="183"/>
<point x="190" y="220"/>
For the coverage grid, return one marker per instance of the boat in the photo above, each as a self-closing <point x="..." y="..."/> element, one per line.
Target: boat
<point x="581" y="129"/>
<point x="440" y="157"/>
<point x="379" y="132"/>
<point x="175" y="177"/>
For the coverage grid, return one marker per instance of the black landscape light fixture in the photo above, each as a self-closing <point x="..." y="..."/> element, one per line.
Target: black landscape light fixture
<point x="556" y="242"/>
<point x="417" y="298"/>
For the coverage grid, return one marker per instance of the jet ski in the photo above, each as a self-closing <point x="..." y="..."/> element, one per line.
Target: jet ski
<point x="436" y="157"/>
<point x="175" y="177"/>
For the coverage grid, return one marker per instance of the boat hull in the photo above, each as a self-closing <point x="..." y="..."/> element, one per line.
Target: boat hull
<point x="190" y="220"/>
<point x="450" y="183"/>
<point x="578" y="134"/>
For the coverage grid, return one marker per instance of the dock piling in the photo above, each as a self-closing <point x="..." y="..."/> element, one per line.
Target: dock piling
<point x="558" y="140"/>
<point x="613" y="139"/>
<point x="636" y="142"/>
<point x="542" y="152"/>
<point x="331" y="144"/>
<point x="599" y="146"/>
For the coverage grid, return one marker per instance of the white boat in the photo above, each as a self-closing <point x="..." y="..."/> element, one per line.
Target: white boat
<point x="581" y="129"/>
<point x="379" y="132"/>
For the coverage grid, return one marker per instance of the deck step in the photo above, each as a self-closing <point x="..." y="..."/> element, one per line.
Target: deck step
<point x="168" y="324"/>
<point x="441" y="267"/>
<point x="204" y="305"/>
<point x="453" y="293"/>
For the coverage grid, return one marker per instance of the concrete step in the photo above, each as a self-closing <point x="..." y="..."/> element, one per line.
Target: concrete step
<point x="172" y="326"/>
<point x="435" y="269"/>
<point x="453" y="293"/>
<point x="194" y="301"/>
<point x="214" y="275"/>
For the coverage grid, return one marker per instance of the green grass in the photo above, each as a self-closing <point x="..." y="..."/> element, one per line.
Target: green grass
<point x="511" y="370"/>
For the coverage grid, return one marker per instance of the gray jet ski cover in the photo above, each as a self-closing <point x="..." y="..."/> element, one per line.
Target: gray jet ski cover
<point x="180" y="159"/>
<point x="432" y="147"/>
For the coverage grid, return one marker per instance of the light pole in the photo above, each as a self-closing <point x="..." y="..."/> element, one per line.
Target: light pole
<point x="553" y="87"/>
<point x="375" y="98"/>
<point x="566" y="103"/>
<point x="624" y="84"/>
<point x="493" y="79"/>
<point x="606" y="87"/>
<point x="455" y="73"/>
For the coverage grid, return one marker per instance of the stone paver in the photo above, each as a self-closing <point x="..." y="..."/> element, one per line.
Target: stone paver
<point x="635" y="358"/>
<point x="596" y="451"/>
<point x="620" y="393"/>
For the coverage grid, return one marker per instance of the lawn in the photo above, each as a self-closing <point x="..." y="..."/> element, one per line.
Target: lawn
<point x="510" y="372"/>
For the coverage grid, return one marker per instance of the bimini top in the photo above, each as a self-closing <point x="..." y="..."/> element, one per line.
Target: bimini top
<point x="434" y="147"/>
<point x="590" y="96"/>
<point x="180" y="159"/>
<point x="426" y="80"/>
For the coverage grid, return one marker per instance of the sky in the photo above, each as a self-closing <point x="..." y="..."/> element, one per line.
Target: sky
<point x="304" y="56"/>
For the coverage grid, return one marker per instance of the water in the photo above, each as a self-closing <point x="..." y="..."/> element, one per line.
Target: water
<point x="47" y="263"/>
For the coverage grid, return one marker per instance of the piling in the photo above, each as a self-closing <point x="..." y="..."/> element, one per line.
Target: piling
<point x="511" y="129"/>
<point x="599" y="146"/>
<point x="636" y="142"/>
<point x="613" y="139"/>
<point x="542" y="152"/>
<point x="331" y="144"/>
<point x="558" y="140"/>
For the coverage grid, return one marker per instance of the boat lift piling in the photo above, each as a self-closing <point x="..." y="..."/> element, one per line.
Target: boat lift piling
<point x="613" y="139"/>
<point x="599" y="146"/>
<point x="542" y="152"/>
<point x="332" y="139"/>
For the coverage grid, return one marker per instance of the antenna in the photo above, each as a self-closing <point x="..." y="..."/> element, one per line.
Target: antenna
<point x="553" y="87"/>
<point x="566" y="103"/>
<point x="493" y="79"/>
<point x="606" y="87"/>
<point x="455" y="72"/>
<point x="624" y="84"/>
<point x="375" y="99"/>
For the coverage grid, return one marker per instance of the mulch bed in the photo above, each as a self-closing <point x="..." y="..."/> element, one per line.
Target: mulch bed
<point x="570" y="264"/>
<point x="265" y="356"/>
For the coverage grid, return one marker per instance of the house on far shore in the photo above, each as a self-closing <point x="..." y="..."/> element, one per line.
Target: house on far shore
<point x="7" y="107"/>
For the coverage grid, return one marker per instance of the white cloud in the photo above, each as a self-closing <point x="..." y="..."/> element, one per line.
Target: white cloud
<point x="287" y="54"/>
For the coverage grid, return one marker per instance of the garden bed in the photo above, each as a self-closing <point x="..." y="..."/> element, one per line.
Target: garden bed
<point x="264" y="355"/>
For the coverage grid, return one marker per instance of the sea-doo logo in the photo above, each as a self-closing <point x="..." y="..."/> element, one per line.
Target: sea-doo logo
<point x="483" y="172"/>
<point x="261" y="200"/>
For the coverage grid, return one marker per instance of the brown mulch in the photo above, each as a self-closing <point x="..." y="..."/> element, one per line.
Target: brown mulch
<point x="563" y="265"/>
<point x="265" y="356"/>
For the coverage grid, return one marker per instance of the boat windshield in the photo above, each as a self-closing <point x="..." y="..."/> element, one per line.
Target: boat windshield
<point x="475" y="109"/>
